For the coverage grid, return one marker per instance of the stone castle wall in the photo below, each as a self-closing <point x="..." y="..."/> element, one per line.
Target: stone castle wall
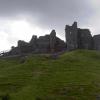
<point x="44" y="44"/>
<point x="71" y="36"/>
<point x="96" y="42"/>
<point x="76" y="38"/>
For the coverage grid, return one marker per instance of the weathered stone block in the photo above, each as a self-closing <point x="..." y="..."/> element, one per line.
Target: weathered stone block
<point x="96" y="42"/>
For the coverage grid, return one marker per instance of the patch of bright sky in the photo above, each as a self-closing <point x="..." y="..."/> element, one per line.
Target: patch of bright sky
<point x="13" y="30"/>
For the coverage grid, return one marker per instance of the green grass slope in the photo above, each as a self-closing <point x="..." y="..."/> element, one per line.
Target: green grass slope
<point x="72" y="76"/>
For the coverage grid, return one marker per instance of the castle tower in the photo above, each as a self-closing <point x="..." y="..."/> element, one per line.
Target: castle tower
<point x="52" y="41"/>
<point x="71" y="33"/>
<point x="33" y="42"/>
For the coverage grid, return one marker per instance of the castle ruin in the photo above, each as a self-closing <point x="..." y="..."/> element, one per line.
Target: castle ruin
<point x="76" y="38"/>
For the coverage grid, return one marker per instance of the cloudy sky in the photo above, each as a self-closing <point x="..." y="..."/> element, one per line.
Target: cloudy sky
<point x="20" y="19"/>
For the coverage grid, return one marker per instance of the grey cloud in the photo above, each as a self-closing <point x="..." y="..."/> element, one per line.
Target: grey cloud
<point x="50" y="13"/>
<point x="56" y="8"/>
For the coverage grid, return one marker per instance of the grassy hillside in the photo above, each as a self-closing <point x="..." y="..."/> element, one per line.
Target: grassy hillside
<point x="72" y="76"/>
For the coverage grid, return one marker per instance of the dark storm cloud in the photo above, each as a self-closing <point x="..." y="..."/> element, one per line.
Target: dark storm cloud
<point x="50" y="13"/>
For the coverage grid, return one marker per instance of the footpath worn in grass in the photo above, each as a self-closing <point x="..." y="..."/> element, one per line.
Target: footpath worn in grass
<point x="72" y="76"/>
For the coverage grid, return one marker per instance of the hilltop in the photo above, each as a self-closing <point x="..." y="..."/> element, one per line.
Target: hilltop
<point x="71" y="76"/>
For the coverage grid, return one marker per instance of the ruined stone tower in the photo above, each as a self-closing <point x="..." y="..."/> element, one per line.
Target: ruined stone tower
<point x="52" y="41"/>
<point x="77" y="38"/>
<point x="71" y="33"/>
